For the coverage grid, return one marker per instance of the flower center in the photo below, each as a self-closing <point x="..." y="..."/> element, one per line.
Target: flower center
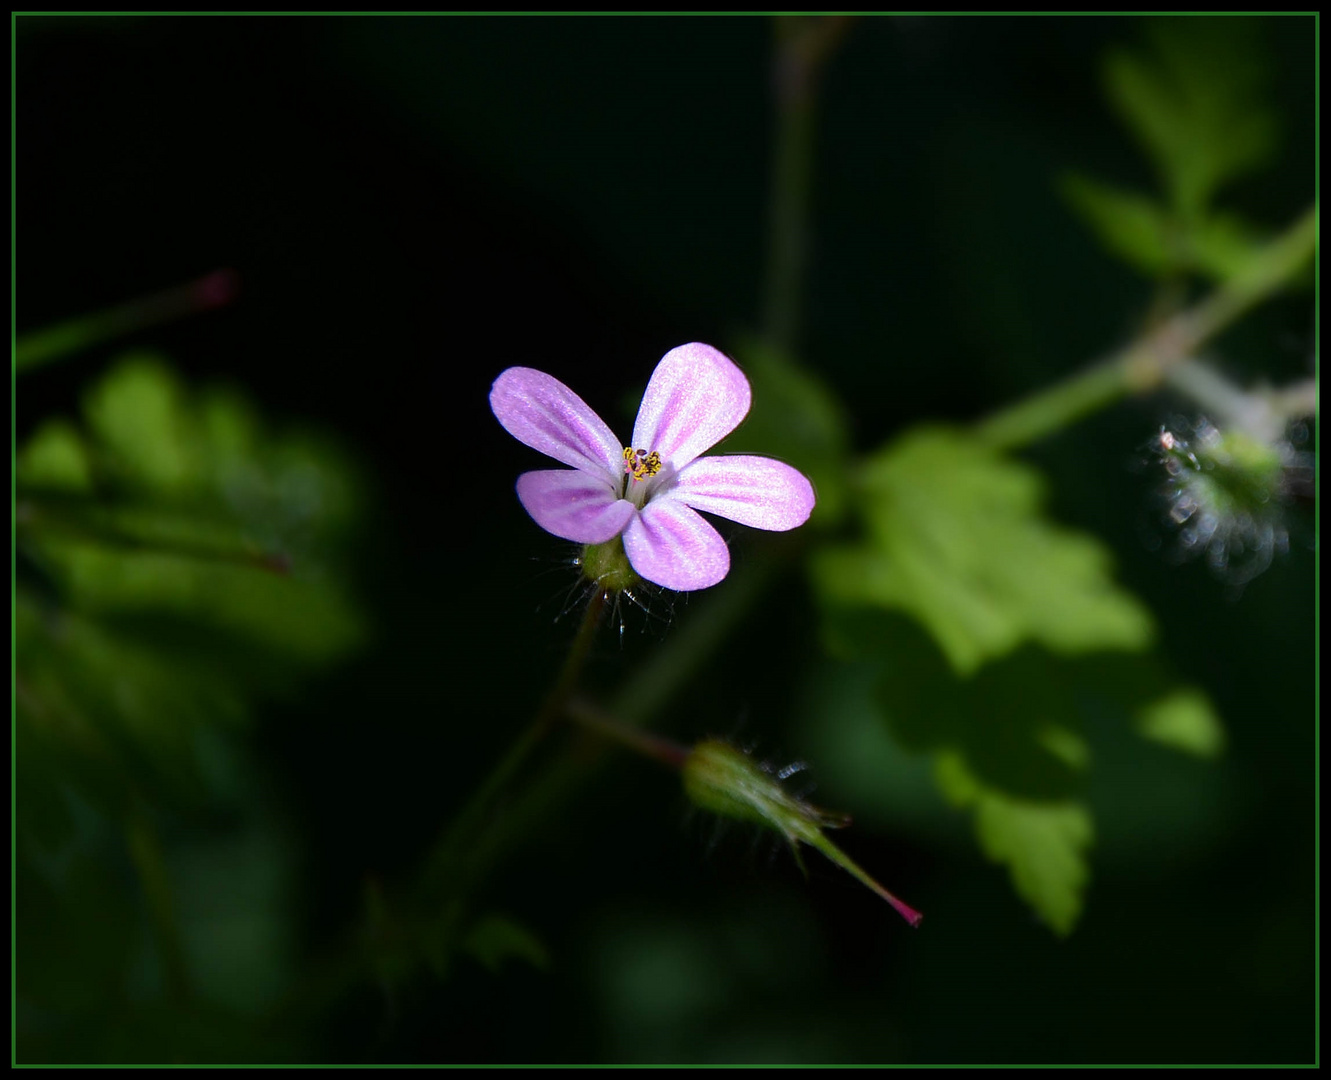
<point x="639" y="464"/>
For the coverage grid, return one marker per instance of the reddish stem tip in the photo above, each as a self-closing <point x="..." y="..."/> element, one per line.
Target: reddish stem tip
<point x="216" y="289"/>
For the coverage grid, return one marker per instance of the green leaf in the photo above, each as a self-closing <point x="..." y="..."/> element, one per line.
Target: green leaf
<point x="234" y="895"/>
<point x="70" y="959"/>
<point x="1043" y="844"/>
<point x="956" y="538"/>
<point x="1158" y="242"/>
<point x="1019" y="726"/>
<point x="1194" y="101"/>
<point x="137" y="416"/>
<point x="176" y="560"/>
<point x="1185" y="720"/>
<point x="1223" y="245"/>
<point x="1133" y="226"/>
<point x="55" y="458"/>
<point x="1017" y="720"/>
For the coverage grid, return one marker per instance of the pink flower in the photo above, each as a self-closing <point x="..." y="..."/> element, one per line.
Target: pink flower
<point x="650" y="491"/>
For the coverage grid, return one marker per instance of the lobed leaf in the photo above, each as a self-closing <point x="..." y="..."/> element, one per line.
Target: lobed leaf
<point x="1194" y="100"/>
<point x="1043" y="844"/>
<point x="956" y="538"/>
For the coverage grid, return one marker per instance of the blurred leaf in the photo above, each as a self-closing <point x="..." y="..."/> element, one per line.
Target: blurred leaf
<point x="956" y="539"/>
<point x="233" y="891"/>
<point x="494" y="940"/>
<point x="1155" y="240"/>
<point x="46" y="815"/>
<point x="1194" y="100"/>
<point x="177" y="560"/>
<point x="1134" y="227"/>
<point x="112" y="714"/>
<point x="1223" y="245"/>
<point x="1185" y="720"/>
<point x="676" y="988"/>
<point x="1017" y="728"/>
<point x="75" y="912"/>
<point x="1019" y="719"/>
<point x="55" y="458"/>
<point x="796" y="418"/>
<point x="305" y="619"/>
<point x="138" y="417"/>
<point x="1016" y="720"/>
<point x="842" y="730"/>
<point x="1043" y="844"/>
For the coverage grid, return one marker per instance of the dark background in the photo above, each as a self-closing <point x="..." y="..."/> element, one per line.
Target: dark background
<point x="412" y="205"/>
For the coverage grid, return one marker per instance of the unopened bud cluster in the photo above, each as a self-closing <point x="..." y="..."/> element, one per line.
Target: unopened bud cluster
<point x="1225" y="491"/>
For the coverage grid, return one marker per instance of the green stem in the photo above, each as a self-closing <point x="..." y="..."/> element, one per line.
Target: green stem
<point x="646" y="693"/>
<point x="43" y="346"/>
<point x="1143" y="365"/>
<point x="668" y="753"/>
<point x="652" y="686"/>
<point x="803" y="46"/>
<point x="1265" y="273"/>
<point x="1056" y="407"/>
<point x="642" y="697"/>
<point x="1262" y="413"/>
<point x="473" y="817"/>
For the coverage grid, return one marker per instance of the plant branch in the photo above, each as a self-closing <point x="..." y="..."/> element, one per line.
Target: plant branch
<point x="473" y="817"/>
<point x="587" y="716"/>
<point x="1143" y="365"/>
<point x="56" y="342"/>
<point x="803" y="47"/>
<point x="1262" y="413"/>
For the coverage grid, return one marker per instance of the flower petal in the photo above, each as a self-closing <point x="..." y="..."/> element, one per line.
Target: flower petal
<point x="574" y="504"/>
<point x="673" y="546"/>
<point x="539" y="410"/>
<point x="756" y="491"/>
<point x="696" y="397"/>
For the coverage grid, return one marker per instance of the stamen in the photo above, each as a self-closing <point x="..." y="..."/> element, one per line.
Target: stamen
<point x="640" y="464"/>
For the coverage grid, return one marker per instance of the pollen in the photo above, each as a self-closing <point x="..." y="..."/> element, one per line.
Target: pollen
<point x="639" y="464"/>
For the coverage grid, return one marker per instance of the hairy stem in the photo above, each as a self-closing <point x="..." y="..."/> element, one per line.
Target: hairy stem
<point x="1144" y="364"/>
<point x="473" y="818"/>
<point x="644" y="695"/>
<point x="601" y="723"/>
<point x="803" y="46"/>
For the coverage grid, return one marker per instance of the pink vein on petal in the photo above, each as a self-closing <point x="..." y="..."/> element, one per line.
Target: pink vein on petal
<point x="539" y="410"/>
<point x="695" y="398"/>
<point x="673" y="546"/>
<point x="756" y="491"/>
<point x="576" y="505"/>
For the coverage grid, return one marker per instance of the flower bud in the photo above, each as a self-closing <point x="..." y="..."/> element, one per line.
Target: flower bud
<point x="730" y="783"/>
